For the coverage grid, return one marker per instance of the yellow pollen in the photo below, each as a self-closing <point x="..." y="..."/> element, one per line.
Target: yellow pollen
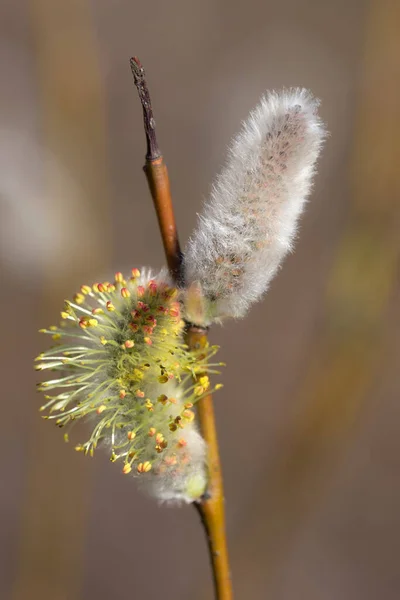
<point x="127" y="469"/>
<point x="79" y="298"/>
<point x="144" y="467"/>
<point x="189" y="415"/>
<point x="86" y="289"/>
<point x="204" y="381"/>
<point x="125" y="293"/>
<point x="131" y="435"/>
<point x="138" y="374"/>
<point x="110" y="306"/>
<point x="152" y="432"/>
<point x="101" y="409"/>
<point x="64" y="315"/>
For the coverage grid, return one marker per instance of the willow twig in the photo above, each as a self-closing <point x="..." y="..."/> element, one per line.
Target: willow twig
<point x="157" y="176"/>
<point x="211" y="505"/>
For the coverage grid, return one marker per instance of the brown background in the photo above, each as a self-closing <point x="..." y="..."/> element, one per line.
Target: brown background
<point x="309" y="417"/>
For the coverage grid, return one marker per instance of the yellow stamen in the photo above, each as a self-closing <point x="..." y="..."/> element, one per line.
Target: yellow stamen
<point x="144" y="467"/>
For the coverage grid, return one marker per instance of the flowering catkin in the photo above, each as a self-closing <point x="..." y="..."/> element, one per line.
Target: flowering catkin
<point x="122" y="364"/>
<point x="249" y="223"/>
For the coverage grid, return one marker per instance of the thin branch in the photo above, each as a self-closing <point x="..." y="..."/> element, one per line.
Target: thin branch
<point x="139" y="76"/>
<point x="157" y="177"/>
<point x="211" y="505"/>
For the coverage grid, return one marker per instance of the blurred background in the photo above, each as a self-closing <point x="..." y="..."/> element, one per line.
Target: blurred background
<point x="309" y="418"/>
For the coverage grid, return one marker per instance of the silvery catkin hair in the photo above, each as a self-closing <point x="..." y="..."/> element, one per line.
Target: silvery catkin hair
<point x="249" y="223"/>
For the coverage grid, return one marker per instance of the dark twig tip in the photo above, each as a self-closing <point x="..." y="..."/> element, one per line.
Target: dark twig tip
<point x="139" y="77"/>
<point x="137" y="69"/>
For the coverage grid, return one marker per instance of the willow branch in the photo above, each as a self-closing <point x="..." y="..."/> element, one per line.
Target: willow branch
<point x="211" y="505"/>
<point x="157" y="177"/>
<point x="139" y="76"/>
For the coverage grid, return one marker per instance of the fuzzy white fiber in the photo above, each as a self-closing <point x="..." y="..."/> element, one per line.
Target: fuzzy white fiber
<point x="249" y="223"/>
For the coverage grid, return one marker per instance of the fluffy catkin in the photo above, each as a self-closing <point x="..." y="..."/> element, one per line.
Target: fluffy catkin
<point x="119" y="362"/>
<point x="249" y="223"/>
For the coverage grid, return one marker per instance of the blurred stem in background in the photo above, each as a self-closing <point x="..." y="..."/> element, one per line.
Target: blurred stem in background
<point x="54" y="510"/>
<point x="349" y="347"/>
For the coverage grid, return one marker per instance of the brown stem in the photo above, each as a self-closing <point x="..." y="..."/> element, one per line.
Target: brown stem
<point x="211" y="504"/>
<point x="158" y="180"/>
<point x="157" y="176"/>
<point x="139" y="76"/>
